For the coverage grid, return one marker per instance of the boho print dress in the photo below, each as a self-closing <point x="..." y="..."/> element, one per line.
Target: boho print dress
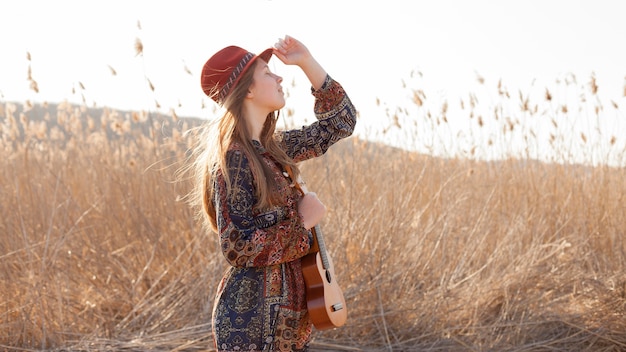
<point x="260" y="303"/>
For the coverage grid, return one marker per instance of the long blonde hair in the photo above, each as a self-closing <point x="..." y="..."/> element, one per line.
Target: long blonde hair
<point x="210" y="154"/>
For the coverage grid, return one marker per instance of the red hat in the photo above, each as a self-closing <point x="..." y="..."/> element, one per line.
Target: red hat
<point x="224" y="69"/>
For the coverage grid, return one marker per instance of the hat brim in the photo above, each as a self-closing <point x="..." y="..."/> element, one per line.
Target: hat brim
<point x="266" y="55"/>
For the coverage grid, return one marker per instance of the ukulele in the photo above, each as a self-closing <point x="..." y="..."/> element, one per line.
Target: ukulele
<point x="325" y="301"/>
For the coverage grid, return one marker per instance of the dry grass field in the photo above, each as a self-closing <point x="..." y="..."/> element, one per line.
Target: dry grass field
<point x="98" y="250"/>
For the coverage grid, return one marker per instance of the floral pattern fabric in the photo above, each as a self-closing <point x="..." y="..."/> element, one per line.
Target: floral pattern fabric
<point x="260" y="303"/>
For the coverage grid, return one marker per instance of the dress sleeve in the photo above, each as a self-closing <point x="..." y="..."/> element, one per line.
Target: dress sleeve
<point x="248" y="239"/>
<point x="336" y="119"/>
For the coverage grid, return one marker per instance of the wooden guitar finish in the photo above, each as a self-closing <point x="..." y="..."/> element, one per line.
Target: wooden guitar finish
<point x="325" y="301"/>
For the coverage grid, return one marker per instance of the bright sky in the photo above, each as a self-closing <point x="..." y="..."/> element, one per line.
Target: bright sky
<point x="370" y="47"/>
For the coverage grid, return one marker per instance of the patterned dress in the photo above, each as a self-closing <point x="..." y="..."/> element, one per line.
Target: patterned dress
<point x="260" y="303"/>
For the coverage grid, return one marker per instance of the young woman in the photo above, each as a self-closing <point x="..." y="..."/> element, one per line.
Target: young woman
<point x="262" y="221"/>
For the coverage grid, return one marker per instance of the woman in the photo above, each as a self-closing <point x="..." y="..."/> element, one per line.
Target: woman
<point x="263" y="222"/>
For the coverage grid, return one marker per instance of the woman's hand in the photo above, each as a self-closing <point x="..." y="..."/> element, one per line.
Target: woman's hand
<point x="311" y="210"/>
<point x="292" y="52"/>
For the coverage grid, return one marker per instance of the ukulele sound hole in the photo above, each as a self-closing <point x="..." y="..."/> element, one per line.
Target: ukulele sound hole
<point x="328" y="277"/>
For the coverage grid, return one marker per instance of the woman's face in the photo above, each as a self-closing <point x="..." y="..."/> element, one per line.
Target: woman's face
<point x="267" y="92"/>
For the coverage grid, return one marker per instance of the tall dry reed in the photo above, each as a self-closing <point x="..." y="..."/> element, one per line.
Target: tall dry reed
<point x="98" y="251"/>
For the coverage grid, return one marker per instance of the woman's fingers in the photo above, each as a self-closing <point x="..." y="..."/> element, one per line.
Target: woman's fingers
<point x="311" y="210"/>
